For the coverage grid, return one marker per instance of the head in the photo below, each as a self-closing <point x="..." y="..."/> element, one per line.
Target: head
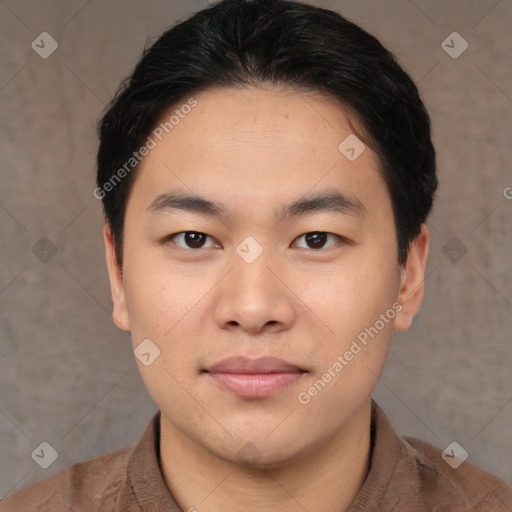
<point x="266" y="173"/>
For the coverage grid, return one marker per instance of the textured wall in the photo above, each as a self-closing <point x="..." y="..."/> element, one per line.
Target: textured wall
<point x="68" y="375"/>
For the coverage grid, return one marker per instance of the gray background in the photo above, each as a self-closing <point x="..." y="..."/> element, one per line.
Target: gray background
<point x="68" y="375"/>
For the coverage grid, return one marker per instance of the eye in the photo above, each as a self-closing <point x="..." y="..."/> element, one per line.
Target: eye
<point x="197" y="240"/>
<point x="317" y="239"/>
<point x="190" y="239"/>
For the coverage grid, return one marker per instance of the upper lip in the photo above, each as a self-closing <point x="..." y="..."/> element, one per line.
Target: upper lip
<point x="260" y="365"/>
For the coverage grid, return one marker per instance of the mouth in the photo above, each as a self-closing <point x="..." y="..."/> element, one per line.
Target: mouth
<point x="254" y="378"/>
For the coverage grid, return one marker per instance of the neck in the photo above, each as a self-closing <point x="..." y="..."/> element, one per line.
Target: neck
<point x="326" y="479"/>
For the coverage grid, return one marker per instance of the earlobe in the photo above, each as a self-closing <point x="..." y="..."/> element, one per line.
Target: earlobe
<point x="119" y="309"/>
<point x="412" y="281"/>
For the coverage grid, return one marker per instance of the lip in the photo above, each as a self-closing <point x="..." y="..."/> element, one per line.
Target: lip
<point x="259" y="365"/>
<point x="254" y="378"/>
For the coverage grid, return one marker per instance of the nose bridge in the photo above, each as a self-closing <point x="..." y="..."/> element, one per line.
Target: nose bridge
<point x="251" y="295"/>
<point x="251" y="273"/>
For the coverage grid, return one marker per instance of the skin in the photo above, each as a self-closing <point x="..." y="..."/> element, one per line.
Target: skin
<point x="252" y="150"/>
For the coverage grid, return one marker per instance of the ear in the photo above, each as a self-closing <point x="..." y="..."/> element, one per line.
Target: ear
<point x="120" y="311"/>
<point x="412" y="287"/>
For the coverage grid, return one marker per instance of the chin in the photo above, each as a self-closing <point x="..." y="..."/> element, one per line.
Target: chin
<point x="262" y="454"/>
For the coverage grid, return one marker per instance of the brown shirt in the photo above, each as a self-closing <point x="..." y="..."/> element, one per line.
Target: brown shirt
<point x="405" y="475"/>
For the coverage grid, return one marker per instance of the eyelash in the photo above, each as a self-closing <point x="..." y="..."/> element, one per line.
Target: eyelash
<point x="170" y="238"/>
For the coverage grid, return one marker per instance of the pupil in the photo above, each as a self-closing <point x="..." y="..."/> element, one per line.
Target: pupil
<point x="316" y="239"/>
<point x="194" y="239"/>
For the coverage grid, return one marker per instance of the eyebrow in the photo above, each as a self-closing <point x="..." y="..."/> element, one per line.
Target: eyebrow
<point x="330" y="202"/>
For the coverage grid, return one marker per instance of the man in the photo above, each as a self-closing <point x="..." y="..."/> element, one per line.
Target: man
<point x="266" y="174"/>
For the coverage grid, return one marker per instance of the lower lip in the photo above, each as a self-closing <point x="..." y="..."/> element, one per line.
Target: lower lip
<point x="255" y="385"/>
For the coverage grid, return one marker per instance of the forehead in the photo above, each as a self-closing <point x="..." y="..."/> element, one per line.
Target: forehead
<point x="270" y="144"/>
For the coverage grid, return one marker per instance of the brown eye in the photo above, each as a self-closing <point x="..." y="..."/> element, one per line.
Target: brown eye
<point x="190" y="239"/>
<point x="317" y="239"/>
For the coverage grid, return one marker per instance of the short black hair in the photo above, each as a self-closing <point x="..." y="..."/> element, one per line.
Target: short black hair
<point x="240" y="43"/>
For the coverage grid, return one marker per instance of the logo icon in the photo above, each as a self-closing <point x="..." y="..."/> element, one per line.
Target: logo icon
<point x="454" y="455"/>
<point x="248" y="454"/>
<point x="44" y="45"/>
<point x="44" y="249"/>
<point x="249" y="250"/>
<point x="146" y="352"/>
<point x="454" y="250"/>
<point x="351" y="147"/>
<point x="454" y="45"/>
<point x="45" y="455"/>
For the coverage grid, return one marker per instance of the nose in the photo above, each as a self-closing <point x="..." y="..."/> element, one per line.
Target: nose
<point x="255" y="296"/>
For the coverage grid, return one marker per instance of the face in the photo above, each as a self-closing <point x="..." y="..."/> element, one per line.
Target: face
<point x="288" y="251"/>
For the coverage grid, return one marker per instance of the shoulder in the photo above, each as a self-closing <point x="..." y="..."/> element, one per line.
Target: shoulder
<point x="475" y="489"/>
<point x="83" y="486"/>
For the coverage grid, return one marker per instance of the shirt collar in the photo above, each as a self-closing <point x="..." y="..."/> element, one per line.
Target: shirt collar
<point x="392" y="473"/>
<point x="144" y="486"/>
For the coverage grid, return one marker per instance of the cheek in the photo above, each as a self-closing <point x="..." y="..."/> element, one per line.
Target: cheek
<point x="161" y="308"/>
<point x="156" y="298"/>
<point x="169" y="305"/>
<point x="352" y="298"/>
